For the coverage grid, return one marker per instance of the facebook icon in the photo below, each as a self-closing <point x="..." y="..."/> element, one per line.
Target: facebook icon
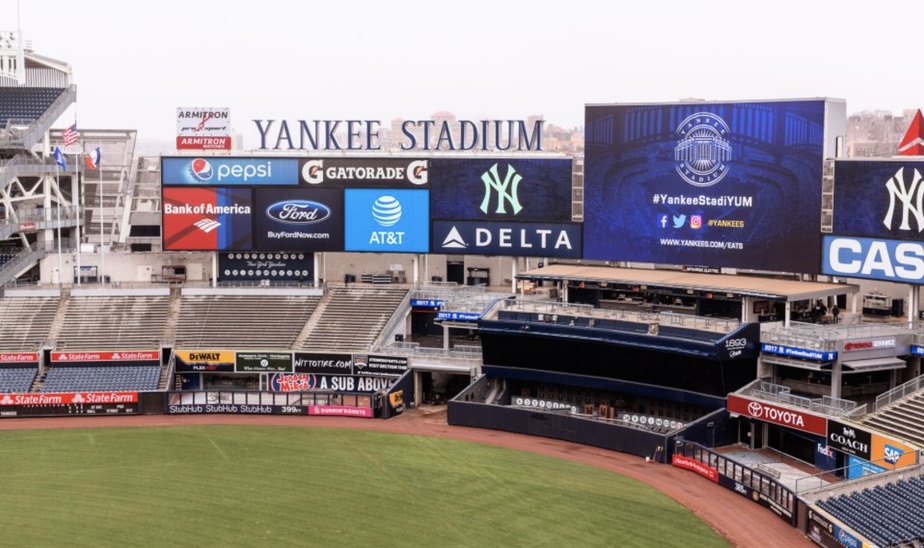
<point x="662" y="221"/>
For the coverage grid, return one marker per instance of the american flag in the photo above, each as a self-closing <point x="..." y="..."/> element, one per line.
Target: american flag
<point x="70" y="135"/>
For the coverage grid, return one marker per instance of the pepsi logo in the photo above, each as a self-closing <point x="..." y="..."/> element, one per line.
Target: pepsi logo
<point x="298" y="212"/>
<point x="201" y="170"/>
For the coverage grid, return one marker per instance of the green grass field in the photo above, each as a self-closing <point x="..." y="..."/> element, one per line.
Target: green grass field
<point x="226" y="486"/>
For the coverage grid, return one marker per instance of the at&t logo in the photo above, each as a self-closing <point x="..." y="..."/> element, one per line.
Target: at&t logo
<point x="387" y="212"/>
<point x="702" y="152"/>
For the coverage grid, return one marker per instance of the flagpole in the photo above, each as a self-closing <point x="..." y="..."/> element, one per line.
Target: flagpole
<point x="77" y="202"/>
<point x="58" y="183"/>
<point x="102" y="254"/>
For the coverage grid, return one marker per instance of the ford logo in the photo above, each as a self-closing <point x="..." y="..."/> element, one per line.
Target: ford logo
<point x="298" y="212"/>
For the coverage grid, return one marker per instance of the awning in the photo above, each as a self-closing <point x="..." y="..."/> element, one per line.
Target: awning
<point x="874" y="364"/>
<point x="801" y="364"/>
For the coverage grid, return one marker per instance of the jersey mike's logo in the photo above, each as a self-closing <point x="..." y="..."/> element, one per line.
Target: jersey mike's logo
<point x="201" y="170"/>
<point x="702" y="152"/>
<point x="298" y="212"/>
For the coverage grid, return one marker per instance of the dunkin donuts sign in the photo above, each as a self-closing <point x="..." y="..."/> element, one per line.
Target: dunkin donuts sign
<point x="790" y="418"/>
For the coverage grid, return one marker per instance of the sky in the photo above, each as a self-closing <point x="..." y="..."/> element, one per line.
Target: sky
<point x="497" y="59"/>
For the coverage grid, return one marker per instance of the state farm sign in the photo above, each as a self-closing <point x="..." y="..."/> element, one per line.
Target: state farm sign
<point x="790" y="418"/>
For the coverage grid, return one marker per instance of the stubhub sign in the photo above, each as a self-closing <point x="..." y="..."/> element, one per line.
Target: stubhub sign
<point x="875" y="259"/>
<point x="216" y="170"/>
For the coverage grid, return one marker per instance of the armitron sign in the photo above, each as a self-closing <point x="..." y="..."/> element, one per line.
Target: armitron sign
<point x="790" y="418"/>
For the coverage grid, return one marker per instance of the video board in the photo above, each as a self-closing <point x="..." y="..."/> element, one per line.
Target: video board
<point x="718" y="184"/>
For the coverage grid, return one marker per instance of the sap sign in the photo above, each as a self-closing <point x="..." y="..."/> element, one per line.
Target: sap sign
<point x="217" y="170"/>
<point x="892" y="260"/>
<point x="507" y="239"/>
<point x="390" y="221"/>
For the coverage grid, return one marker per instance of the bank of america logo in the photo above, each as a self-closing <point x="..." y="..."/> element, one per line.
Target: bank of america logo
<point x="454" y="240"/>
<point x="702" y="154"/>
<point x="207" y="225"/>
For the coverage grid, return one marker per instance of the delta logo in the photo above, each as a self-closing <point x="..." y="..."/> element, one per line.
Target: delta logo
<point x="913" y="142"/>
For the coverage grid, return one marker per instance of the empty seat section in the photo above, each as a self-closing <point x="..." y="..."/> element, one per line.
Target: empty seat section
<point x="102" y="378"/>
<point x="16" y="379"/>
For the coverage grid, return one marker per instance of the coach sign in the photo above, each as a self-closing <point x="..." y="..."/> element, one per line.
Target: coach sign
<point x="790" y="418"/>
<point x="849" y="439"/>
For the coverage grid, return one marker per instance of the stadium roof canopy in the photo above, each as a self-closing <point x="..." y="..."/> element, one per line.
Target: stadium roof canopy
<point x="753" y="286"/>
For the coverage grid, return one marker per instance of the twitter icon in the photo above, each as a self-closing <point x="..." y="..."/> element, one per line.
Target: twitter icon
<point x="679" y="220"/>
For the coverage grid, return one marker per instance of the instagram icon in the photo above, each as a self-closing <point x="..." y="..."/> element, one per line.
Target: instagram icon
<point x="696" y="221"/>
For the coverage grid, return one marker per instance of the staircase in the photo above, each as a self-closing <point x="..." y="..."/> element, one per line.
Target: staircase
<point x="313" y="320"/>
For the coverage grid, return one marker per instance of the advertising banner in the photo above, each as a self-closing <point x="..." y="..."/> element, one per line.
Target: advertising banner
<point x="879" y="199"/>
<point x="700" y="468"/>
<point x="890" y="453"/>
<point x="322" y="363"/>
<point x="849" y="439"/>
<point x="93" y="358"/>
<point x="714" y="184"/>
<point x="207" y="219"/>
<point x="379" y="366"/>
<point x="19" y="359"/>
<point x="204" y="361"/>
<point x="507" y="239"/>
<point x="262" y="362"/>
<point x="790" y="418"/>
<point x="501" y="189"/>
<point x="266" y="266"/>
<point x="298" y="219"/>
<point x="228" y="171"/>
<point x="387" y="221"/>
<point x="874" y="259"/>
<point x="70" y="398"/>
<point x="365" y="172"/>
<point x="203" y="128"/>
<point x="340" y="411"/>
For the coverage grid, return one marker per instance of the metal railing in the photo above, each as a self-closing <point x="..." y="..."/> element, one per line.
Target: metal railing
<point x="826" y="405"/>
<point x="899" y="392"/>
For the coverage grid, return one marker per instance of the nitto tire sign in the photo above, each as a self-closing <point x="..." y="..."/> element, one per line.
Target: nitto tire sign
<point x="790" y="418"/>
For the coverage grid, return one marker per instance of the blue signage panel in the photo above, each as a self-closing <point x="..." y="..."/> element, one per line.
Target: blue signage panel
<point x="507" y="239"/>
<point x="458" y="316"/>
<point x="501" y="189"/>
<point x="426" y="303"/>
<point x="892" y="260"/>
<point x="917" y="350"/>
<point x="879" y="199"/>
<point x="387" y="220"/>
<point x="714" y="184"/>
<point x="794" y="352"/>
<point x="298" y="219"/>
<point x="225" y="171"/>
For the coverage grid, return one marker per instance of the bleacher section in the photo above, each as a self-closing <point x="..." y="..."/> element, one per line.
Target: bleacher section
<point x="904" y="419"/>
<point x="102" y="379"/>
<point x="266" y="322"/>
<point x="887" y="515"/>
<point x="25" y="322"/>
<point x="353" y="318"/>
<point x="132" y="322"/>
<point x="16" y="379"/>
<point x="25" y="103"/>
